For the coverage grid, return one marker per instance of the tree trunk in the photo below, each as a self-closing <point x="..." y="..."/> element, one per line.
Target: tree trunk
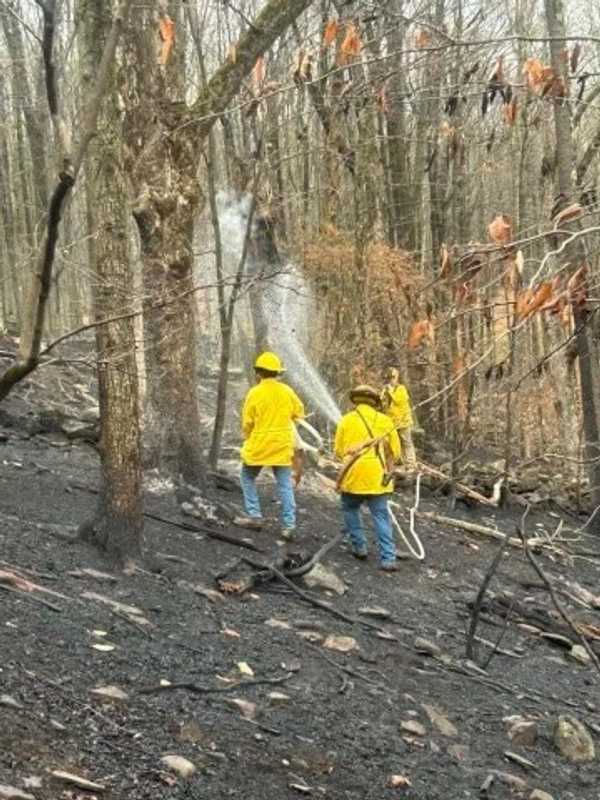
<point x="118" y="523"/>
<point x="587" y="345"/>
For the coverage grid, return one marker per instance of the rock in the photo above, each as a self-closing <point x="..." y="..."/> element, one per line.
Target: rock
<point x="311" y="636"/>
<point x="245" y="707"/>
<point x="399" y="782"/>
<point x="324" y="578"/>
<point x="278" y="698"/>
<point x="427" y="647"/>
<point x="573" y="740"/>
<point x="278" y="623"/>
<point x="439" y="721"/>
<point x="343" y="644"/>
<point x="9" y="702"/>
<point x="375" y="611"/>
<point x="579" y="653"/>
<point x="523" y="732"/>
<point x="293" y="665"/>
<point x="34" y="782"/>
<point x="459" y="752"/>
<point x="12" y="793"/>
<point x="77" y="780"/>
<point x="180" y="765"/>
<point x="538" y="794"/>
<point x="109" y="694"/>
<point x="516" y="784"/>
<point x="414" y="727"/>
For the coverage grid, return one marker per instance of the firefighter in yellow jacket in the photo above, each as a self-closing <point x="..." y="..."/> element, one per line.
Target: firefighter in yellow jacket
<point x="365" y="481"/>
<point x="396" y="403"/>
<point x="268" y="415"/>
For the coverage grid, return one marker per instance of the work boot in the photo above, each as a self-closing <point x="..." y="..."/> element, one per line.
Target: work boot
<point x="391" y="566"/>
<point x="289" y="534"/>
<point x="362" y="555"/>
<point x="253" y="523"/>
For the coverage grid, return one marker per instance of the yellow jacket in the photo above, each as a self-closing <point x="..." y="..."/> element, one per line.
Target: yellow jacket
<point x="267" y="416"/>
<point x="397" y="404"/>
<point x="366" y="474"/>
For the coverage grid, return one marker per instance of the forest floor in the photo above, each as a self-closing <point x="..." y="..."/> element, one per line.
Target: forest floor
<point x="329" y="724"/>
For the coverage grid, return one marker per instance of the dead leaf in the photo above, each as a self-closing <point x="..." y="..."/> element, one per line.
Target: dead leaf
<point x="446" y="262"/>
<point x="447" y="130"/>
<point x="577" y="286"/>
<point x="420" y="331"/>
<point x="343" y="644"/>
<point x="510" y="111"/>
<point x="500" y="229"/>
<point x="331" y="32"/>
<point x="166" y="29"/>
<point x="245" y="669"/>
<point x="232" y="53"/>
<point x="539" y="77"/>
<point x="567" y="214"/>
<point x="423" y="39"/>
<point x="259" y="72"/>
<point x="302" y="70"/>
<point x="382" y="100"/>
<point x="230" y="633"/>
<point x="399" y="782"/>
<point x="352" y="45"/>
<point x="245" y="707"/>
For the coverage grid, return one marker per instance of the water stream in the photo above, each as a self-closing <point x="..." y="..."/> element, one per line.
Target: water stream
<point x="288" y="308"/>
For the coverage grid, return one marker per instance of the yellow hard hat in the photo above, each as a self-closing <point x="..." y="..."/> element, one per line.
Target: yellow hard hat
<point x="270" y="362"/>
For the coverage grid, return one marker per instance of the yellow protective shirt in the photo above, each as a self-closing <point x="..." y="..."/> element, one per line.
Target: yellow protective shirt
<point x="399" y="405"/>
<point x="366" y="474"/>
<point x="267" y="416"/>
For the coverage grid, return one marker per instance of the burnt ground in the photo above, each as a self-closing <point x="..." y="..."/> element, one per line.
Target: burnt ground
<point x="338" y="734"/>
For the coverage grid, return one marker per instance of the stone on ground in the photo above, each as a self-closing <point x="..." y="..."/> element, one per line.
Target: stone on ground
<point x="523" y="732"/>
<point x="579" y="653"/>
<point x="12" y="793"/>
<point x="414" y="727"/>
<point x="109" y="694"/>
<point x="427" y="647"/>
<point x="538" y="794"/>
<point x="179" y="765"/>
<point x="322" y="578"/>
<point x="440" y="721"/>
<point x="573" y="740"/>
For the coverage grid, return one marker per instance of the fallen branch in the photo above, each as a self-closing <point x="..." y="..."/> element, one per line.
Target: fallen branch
<point x="197" y="689"/>
<point x="427" y="469"/>
<point x="314" y="601"/>
<point x="29" y="596"/>
<point x="471" y="527"/>
<point x="563" y="614"/>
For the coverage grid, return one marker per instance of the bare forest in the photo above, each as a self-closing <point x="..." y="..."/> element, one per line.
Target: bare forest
<point x="354" y="185"/>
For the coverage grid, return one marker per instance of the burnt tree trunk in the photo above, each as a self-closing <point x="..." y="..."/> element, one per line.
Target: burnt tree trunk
<point x="118" y="522"/>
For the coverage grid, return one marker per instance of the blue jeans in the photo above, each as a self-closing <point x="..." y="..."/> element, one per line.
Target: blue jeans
<point x="378" y="506"/>
<point x="285" y="490"/>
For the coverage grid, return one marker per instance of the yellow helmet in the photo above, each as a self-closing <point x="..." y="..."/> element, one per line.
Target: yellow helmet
<point x="270" y="362"/>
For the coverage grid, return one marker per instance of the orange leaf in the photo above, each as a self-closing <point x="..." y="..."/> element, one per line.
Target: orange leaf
<point x="500" y="229"/>
<point x="536" y="298"/>
<point x="446" y="262"/>
<point x="567" y="214"/>
<point x="423" y="39"/>
<point x="510" y="111"/>
<point x="523" y="300"/>
<point x="382" y="101"/>
<point x="331" y="32"/>
<point x="538" y="76"/>
<point x="577" y="286"/>
<point x="352" y="45"/>
<point x="258" y="73"/>
<point x="166" y="29"/>
<point x="419" y="331"/>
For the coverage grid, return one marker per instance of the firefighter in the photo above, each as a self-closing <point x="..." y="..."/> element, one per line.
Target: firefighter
<point x="268" y="415"/>
<point x="396" y="402"/>
<point x="364" y="477"/>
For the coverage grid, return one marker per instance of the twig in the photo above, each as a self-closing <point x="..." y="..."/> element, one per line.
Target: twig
<point x="470" y="645"/>
<point x="557" y="605"/>
<point x="321" y="553"/>
<point x="346" y="670"/>
<point x="314" y="601"/>
<point x="197" y="689"/>
<point x="29" y="596"/>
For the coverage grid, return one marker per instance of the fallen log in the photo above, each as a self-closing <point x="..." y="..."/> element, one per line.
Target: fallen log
<point x="467" y="491"/>
<point x="472" y="527"/>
